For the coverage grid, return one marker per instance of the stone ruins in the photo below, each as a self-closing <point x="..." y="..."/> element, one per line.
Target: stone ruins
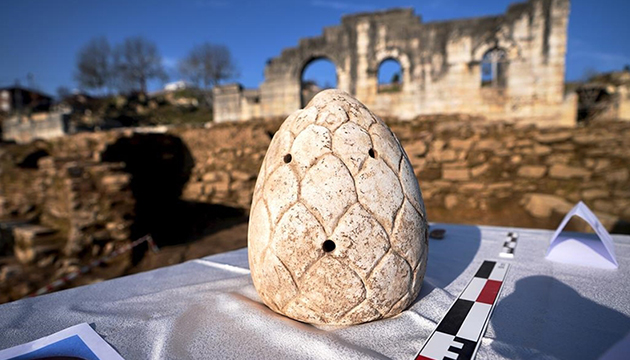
<point x="93" y="192"/>
<point x="507" y="67"/>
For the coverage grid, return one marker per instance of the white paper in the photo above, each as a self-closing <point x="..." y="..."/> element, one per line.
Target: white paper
<point x="583" y="249"/>
<point x="86" y="345"/>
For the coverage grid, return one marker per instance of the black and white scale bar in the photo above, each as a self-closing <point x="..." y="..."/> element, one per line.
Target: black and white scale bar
<point x="509" y="246"/>
<point x="457" y="336"/>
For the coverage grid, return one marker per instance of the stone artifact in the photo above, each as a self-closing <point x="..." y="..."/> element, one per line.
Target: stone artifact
<point x="337" y="230"/>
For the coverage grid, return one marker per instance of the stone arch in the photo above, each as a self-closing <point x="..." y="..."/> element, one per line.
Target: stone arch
<point x="393" y="54"/>
<point x="304" y="98"/>
<point x="494" y="68"/>
<point x="393" y="83"/>
<point x="512" y="50"/>
<point x="307" y="60"/>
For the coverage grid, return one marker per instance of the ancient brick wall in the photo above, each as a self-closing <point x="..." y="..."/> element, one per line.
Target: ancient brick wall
<point x="441" y="66"/>
<point x="470" y="171"/>
<point x="519" y="175"/>
<point x="226" y="158"/>
<point x="24" y="129"/>
<point x="89" y="203"/>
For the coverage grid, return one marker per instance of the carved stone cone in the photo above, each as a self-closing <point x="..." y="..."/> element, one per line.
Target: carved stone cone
<point x="337" y="230"/>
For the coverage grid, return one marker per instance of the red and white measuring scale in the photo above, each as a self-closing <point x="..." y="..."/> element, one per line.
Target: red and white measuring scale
<point x="457" y="336"/>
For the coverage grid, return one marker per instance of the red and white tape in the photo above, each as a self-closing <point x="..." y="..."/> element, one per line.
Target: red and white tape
<point x="94" y="263"/>
<point x="458" y="335"/>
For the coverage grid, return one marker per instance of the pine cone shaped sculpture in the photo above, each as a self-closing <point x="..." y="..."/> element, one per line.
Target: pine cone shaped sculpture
<point x="337" y="229"/>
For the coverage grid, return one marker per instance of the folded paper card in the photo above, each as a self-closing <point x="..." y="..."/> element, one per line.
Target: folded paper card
<point x="583" y="249"/>
<point x="75" y="342"/>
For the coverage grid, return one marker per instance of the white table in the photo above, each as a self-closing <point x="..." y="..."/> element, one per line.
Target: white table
<point x="208" y="308"/>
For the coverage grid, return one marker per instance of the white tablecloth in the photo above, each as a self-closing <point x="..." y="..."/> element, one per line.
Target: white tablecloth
<point x="208" y="308"/>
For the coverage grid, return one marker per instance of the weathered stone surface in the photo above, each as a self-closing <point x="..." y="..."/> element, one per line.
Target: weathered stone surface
<point x="605" y="206"/>
<point x="348" y="142"/>
<point x="591" y="194"/>
<point x="417" y="148"/>
<point x="617" y="176"/>
<point x="450" y="201"/>
<point x="560" y="171"/>
<point x="584" y="139"/>
<point x="196" y="189"/>
<point x="541" y="150"/>
<point x="461" y="144"/>
<point x="602" y="164"/>
<point x="553" y="137"/>
<point x="238" y="175"/>
<point x="488" y="144"/>
<point x="543" y="205"/>
<point x="440" y="69"/>
<point x="337" y="228"/>
<point x="532" y="171"/>
<point x="501" y="185"/>
<point x="523" y="143"/>
<point x="443" y="155"/>
<point x="116" y="181"/>
<point x="480" y="170"/>
<point x="456" y="174"/>
<point x="559" y="159"/>
<point x="473" y="186"/>
<point x="455" y="165"/>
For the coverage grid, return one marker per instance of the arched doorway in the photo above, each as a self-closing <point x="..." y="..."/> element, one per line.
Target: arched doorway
<point x="318" y="74"/>
<point x="494" y="68"/>
<point x="390" y="76"/>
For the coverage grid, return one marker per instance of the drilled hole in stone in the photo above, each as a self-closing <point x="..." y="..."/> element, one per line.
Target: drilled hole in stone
<point x="287" y="158"/>
<point x="329" y="246"/>
<point x="373" y="154"/>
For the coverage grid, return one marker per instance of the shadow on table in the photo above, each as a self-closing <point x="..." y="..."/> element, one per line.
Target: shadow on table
<point x="543" y="316"/>
<point x="449" y="257"/>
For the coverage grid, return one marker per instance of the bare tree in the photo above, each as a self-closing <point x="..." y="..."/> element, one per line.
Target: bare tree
<point x="207" y="64"/>
<point x="94" y="65"/>
<point x="137" y="61"/>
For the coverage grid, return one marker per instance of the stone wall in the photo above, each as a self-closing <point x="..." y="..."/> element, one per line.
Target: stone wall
<point x="24" y="129"/>
<point x="67" y="205"/>
<point x="605" y="96"/>
<point x="89" y="203"/>
<point x="469" y="170"/>
<point x="519" y="175"/>
<point x="441" y="66"/>
<point x="58" y="213"/>
<point x="226" y="158"/>
<point x="234" y="103"/>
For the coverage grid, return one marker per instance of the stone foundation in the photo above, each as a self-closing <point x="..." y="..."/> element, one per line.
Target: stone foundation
<point x="461" y="161"/>
<point x="90" y="197"/>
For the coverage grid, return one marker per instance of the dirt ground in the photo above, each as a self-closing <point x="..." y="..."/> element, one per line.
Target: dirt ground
<point x="231" y="238"/>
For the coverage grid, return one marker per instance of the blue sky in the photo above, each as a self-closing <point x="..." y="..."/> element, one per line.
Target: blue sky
<point x="42" y="37"/>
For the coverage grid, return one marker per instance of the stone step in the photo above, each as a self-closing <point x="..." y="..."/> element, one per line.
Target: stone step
<point x="33" y="241"/>
<point x="32" y="234"/>
<point x="30" y="254"/>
